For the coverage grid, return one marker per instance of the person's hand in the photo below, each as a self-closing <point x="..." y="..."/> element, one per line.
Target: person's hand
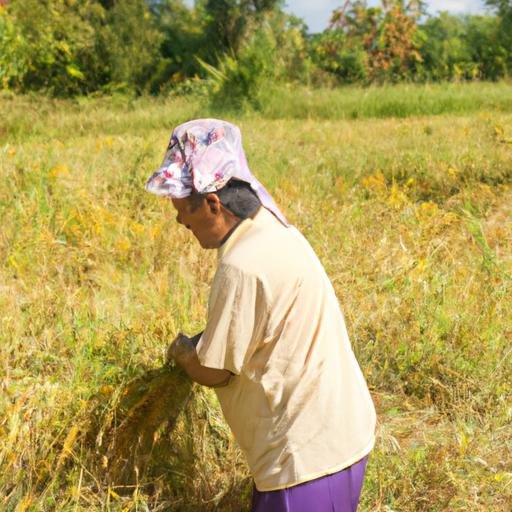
<point x="180" y="350"/>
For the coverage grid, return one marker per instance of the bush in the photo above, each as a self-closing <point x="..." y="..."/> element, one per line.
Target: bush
<point x="13" y="62"/>
<point x="347" y="62"/>
<point x="239" y="82"/>
<point x="67" y="48"/>
<point x="48" y="45"/>
<point x="131" y="44"/>
<point x="468" y="47"/>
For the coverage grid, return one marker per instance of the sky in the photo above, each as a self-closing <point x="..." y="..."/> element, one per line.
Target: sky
<point x="316" y="13"/>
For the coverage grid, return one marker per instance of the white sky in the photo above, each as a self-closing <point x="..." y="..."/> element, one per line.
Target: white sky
<point x="316" y="13"/>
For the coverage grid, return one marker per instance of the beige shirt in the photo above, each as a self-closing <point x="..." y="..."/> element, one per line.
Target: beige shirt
<point x="297" y="404"/>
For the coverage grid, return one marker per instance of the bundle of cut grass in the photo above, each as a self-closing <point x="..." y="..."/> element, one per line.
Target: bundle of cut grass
<point x="165" y="440"/>
<point x="147" y="406"/>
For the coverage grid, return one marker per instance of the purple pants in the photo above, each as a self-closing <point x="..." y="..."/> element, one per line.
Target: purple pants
<point x="332" y="493"/>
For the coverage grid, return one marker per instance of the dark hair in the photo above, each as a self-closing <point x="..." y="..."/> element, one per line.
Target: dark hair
<point x="236" y="196"/>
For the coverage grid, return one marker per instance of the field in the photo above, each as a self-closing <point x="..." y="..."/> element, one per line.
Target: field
<point x="411" y="214"/>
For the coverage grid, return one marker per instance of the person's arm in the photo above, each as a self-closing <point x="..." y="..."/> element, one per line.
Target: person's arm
<point x="183" y="351"/>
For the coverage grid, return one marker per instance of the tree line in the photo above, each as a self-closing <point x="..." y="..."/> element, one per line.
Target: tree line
<point x="233" y="48"/>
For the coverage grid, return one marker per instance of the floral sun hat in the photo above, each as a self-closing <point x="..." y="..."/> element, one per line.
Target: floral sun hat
<point x="202" y="156"/>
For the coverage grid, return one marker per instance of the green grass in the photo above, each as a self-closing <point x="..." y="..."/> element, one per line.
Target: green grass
<point x="411" y="218"/>
<point x="403" y="100"/>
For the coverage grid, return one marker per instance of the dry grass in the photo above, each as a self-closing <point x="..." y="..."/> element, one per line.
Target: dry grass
<point x="412" y="220"/>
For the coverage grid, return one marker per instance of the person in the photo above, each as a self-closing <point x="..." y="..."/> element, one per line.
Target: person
<point x="275" y="345"/>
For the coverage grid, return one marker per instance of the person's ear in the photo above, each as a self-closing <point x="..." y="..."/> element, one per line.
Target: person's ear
<point x="214" y="204"/>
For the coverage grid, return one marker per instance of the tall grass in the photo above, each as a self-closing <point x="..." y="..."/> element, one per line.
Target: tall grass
<point x="403" y="100"/>
<point x="412" y="220"/>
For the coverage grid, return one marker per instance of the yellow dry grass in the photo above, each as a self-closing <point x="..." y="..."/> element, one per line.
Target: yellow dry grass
<point x="412" y="220"/>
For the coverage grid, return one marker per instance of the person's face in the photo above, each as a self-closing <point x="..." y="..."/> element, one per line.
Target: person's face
<point x="205" y="221"/>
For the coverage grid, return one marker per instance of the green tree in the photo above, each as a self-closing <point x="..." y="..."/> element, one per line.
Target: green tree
<point x="228" y="23"/>
<point x="504" y="10"/>
<point x="462" y="47"/>
<point x="386" y="34"/>
<point x="13" y="61"/>
<point x="291" y="59"/>
<point x="504" y="7"/>
<point x="68" y="47"/>
<point x="273" y="49"/>
<point x="183" y="41"/>
<point x="214" y="32"/>
<point x="444" y="50"/>
<point x="130" y="43"/>
<point x="50" y="45"/>
<point x="239" y="81"/>
<point x="344" y="58"/>
<point x="486" y="46"/>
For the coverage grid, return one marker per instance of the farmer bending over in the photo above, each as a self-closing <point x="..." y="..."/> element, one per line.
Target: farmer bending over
<point x="275" y="346"/>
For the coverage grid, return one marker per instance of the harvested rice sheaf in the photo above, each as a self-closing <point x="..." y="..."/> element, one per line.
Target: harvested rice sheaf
<point x="166" y="438"/>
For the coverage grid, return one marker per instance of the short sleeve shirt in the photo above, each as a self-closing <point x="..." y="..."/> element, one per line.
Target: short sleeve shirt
<point x="297" y="403"/>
